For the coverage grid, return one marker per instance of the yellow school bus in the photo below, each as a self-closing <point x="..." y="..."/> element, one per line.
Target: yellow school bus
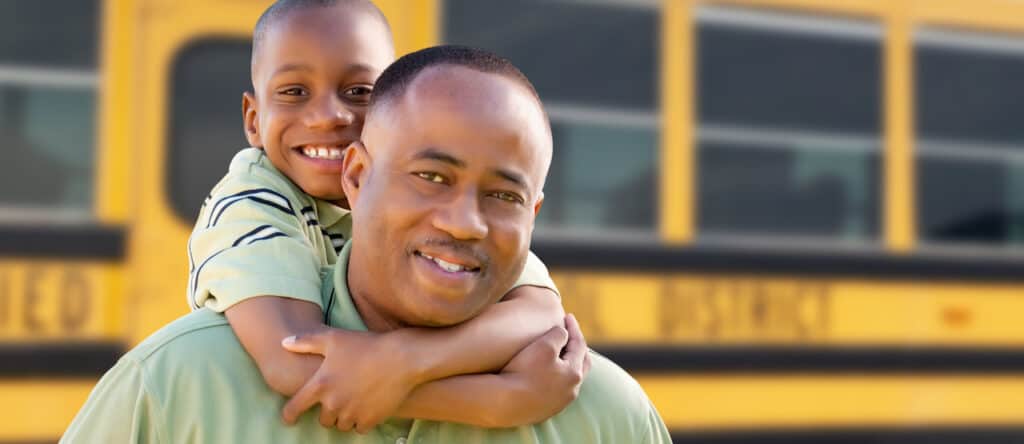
<point x="792" y="220"/>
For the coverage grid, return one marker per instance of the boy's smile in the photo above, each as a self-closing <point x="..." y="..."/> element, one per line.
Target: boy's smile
<point x="312" y="79"/>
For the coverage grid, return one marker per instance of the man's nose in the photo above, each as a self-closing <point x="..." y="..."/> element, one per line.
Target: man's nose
<point x="329" y="113"/>
<point x="461" y="218"/>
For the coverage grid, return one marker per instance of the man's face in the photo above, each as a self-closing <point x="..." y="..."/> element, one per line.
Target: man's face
<point x="445" y="194"/>
<point x="312" y="79"/>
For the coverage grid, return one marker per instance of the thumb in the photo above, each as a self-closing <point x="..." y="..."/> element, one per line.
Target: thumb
<point x="310" y="343"/>
<point x="557" y="336"/>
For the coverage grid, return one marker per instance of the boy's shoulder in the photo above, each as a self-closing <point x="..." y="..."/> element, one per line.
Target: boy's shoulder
<point x="251" y="174"/>
<point x="250" y="171"/>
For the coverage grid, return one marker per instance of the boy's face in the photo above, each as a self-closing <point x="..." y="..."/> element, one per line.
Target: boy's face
<point x="444" y="201"/>
<point x="312" y="80"/>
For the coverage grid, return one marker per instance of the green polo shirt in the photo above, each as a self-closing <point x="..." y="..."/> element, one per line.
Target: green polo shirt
<point x="258" y="234"/>
<point x="192" y="382"/>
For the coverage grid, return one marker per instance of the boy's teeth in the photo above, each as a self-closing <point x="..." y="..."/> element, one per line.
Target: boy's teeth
<point x="323" y="152"/>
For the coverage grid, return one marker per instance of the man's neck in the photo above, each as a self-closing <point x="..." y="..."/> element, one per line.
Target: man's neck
<point x="363" y="297"/>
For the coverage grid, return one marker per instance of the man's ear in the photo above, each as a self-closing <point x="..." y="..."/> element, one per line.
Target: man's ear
<point x="536" y="206"/>
<point x="354" y="167"/>
<point x="250" y="120"/>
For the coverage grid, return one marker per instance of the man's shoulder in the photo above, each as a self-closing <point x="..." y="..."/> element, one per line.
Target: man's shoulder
<point x="200" y="328"/>
<point x="610" y="387"/>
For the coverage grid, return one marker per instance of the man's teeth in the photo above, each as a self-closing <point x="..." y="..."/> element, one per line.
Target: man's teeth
<point x="445" y="265"/>
<point x="320" y="152"/>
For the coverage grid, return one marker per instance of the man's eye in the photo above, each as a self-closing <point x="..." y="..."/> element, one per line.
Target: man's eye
<point x="509" y="197"/>
<point x="296" y="91"/>
<point x="431" y="177"/>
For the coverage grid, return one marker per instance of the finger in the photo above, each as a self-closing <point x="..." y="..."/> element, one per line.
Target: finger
<point x="328" y="417"/>
<point x="586" y="364"/>
<point x="575" y="348"/>
<point x="345" y="425"/>
<point x="312" y="343"/>
<point x="306" y="397"/>
<point x="364" y="425"/>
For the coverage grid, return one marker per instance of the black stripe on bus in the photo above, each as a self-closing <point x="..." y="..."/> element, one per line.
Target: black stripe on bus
<point x="58" y="360"/>
<point x="874" y="435"/>
<point x="655" y="258"/>
<point x="653" y="359"/>
<point x="63" y="241"/>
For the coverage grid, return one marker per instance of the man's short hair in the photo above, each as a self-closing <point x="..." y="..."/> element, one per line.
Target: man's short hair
<point x="282" y="8"/>
<point x="394" y="81"/>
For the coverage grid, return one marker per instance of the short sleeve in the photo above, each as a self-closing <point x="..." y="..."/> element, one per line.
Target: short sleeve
<point x="118" y="410"/>
<point x="249" y="243"/>
<point x="535" y="274"/>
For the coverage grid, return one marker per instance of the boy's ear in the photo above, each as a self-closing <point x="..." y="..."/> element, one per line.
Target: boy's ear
<point x="250" y="120"/>
<point x="354" y="167"/>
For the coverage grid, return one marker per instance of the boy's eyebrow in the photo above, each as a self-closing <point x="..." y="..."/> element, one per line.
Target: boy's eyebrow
<point x="291" y="67"/>
<point x="441" y="156"/>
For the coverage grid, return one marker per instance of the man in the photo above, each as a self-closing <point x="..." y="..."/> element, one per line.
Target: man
<point x="444" y="189"/>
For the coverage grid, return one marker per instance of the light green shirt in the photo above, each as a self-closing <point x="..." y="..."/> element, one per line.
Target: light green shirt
<point x="258" y="234"/>
<point x="192" y="382"/>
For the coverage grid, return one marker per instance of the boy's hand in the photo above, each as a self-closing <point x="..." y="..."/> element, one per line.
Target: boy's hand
<point x="546" y="375"/>
<point x="361" y="382"/>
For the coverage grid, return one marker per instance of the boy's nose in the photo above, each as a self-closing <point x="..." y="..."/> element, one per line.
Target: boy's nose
<point x="330" y="113"/>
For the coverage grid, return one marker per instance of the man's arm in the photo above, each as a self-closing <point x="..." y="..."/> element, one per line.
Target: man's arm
<point x="118" y="410"/>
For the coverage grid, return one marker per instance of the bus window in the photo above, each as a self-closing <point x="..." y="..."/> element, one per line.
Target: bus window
<point x="48" y="83"/>
<point x="602" y="100"/>
<point x="970" y="145"/>
<point x="789" y="126"/>
<point x="209" y="77"/>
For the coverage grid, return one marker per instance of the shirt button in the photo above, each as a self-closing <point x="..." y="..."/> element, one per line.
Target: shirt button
<point x="401" y="440"/>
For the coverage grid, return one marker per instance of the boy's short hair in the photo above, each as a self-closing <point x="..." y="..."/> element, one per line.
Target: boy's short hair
<point x="393" y="82"/>
<point x="282" y="8"/>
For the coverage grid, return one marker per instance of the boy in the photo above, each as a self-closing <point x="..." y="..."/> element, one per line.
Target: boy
<point x="274" y="223"/>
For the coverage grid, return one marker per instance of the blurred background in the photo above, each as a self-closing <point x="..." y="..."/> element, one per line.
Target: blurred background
<point x="793" y="221"/>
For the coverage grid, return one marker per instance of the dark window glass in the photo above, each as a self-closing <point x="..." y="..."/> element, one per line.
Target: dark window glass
<point x="789" y="125"/>
<point x="777" y="78"/>
<point x="970" y="179"/>
<point x="596" y="183"/>
<point x="779" y="190"/>
<point x="206" y="118"/>
<point x="52" y="33"/>
<point x="975" y="201"/>
<point x="595" y="66"/>
<point x="966" y="93"/>
<point x="589" y="54"/>
<point x="47" y="137"/>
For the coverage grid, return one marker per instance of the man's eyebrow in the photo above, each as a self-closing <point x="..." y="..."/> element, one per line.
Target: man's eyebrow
<point x="291" y="67"/>
<point x="511" y="176"/>
<point x="440" y="156"/>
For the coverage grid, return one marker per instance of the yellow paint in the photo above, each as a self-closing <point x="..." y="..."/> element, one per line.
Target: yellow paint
<point x="39" y="410"/>
<point x="898" y="157"/>
<point x="757" y="401"/>
<point x="745" y="309"/>
<point x="58" y="301"/>
<point x="113" y="147"/>
<point x="677" y="217"/>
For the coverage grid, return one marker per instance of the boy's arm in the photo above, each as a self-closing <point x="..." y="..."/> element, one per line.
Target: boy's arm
<point x="530" y="389"/>
<point x="261" y="323"/>
<point x="361" y="382"/>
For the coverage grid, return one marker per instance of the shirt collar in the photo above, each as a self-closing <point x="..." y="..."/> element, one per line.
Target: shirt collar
<point x="342" y="311"/>
<point x="328" y="213"/>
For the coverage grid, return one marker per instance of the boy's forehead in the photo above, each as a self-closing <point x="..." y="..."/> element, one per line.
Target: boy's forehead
<point x="343" y="33"/>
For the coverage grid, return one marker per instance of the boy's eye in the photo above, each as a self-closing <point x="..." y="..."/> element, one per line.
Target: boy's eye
<point x="509" y="197"/>
<point x="359" y="91"/>
<point x="430" y="177"/>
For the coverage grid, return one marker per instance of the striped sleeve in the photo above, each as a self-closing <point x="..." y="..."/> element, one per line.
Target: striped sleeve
<point x="250" y="241"/>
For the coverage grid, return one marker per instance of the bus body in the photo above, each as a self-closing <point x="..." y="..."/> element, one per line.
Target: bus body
<point x="790" y="220"/>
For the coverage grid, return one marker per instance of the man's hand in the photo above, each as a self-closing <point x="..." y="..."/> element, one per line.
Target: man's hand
<point x="546" y="375"/>
<point x="362" y="381"/>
